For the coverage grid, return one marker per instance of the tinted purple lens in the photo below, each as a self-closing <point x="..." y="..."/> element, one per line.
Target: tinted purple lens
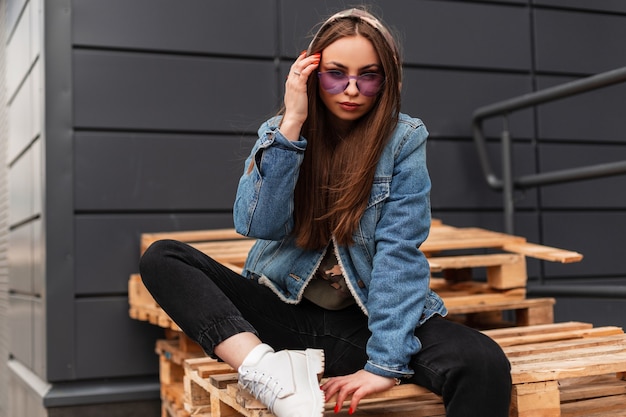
<point x="336" y="81"/>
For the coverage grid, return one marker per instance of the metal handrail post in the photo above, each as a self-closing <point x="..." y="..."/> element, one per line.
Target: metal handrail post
<point x="507" y="178"/>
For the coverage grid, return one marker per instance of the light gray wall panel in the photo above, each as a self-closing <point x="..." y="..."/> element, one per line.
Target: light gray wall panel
<point x="21" y="328"/>
<point x="596" y="193"/>
<point x="107" y="246"/>
<point x="20" y="259"/>
<point x="40" y="348"/>
<point x="39" y="269"/>
<point x="115" y="90"/>
<point x="446" y="100"/>
<point x="599" y="236"/>
<point x="457" y="179"/>
<point x="18" y="51"/>
<point x="111" y="344"/>
<point x="579" y="42"/>
<point x="24" y="119"/>
<point x="594" y="116"/>
<point x="21" y="189"/>
<point x="157" y="171"/>
<point x="225" y="27"/>
<point x="13" y="10"/>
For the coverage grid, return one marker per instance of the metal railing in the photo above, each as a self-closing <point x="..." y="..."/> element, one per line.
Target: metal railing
<point x="508" y="183"/>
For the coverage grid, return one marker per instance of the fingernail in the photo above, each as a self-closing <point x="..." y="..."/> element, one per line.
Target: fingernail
<point x="336" y="408"/>
<point x="350" y="411"/>
<point x="303" y="52"/>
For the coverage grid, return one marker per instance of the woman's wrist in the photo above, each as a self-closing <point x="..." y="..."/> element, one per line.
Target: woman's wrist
<point x="290" y="129"/>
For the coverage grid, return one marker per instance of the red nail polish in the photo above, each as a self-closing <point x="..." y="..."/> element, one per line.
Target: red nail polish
<point x="350" y="411"/>
<point x="336" y="408"/>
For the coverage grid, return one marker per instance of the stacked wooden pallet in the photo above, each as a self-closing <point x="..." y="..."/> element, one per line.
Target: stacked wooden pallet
<point x="563" y="369"/>
<point x="457" y="256"/>
<point x="480" y="274"/>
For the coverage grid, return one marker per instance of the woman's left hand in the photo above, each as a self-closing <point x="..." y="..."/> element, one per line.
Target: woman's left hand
<point x="358" y="384"/>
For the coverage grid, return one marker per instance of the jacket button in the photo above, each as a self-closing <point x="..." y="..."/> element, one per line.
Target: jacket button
<point x="360" y="283"/>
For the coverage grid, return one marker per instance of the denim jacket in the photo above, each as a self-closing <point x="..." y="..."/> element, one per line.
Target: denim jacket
<point x="385" y="270"/>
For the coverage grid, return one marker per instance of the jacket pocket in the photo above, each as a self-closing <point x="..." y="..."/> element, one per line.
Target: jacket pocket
<point x="380" y="192"/>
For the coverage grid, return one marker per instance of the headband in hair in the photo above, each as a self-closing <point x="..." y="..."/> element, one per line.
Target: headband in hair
<point x="365" y="17"/>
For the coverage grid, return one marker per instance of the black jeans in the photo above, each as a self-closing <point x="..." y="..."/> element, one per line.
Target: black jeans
<point x="211" y="303"/>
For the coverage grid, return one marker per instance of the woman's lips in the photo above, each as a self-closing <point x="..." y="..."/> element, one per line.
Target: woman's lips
<point x="348" y="106"/>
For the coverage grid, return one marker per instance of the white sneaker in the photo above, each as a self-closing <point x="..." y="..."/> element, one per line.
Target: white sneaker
<point x="287" y="382"/>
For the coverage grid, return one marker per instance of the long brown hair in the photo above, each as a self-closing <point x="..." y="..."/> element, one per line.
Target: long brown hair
<point x="337" y="173"/>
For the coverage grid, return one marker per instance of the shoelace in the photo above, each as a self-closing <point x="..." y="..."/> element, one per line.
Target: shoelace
<point x="260" y="387"/>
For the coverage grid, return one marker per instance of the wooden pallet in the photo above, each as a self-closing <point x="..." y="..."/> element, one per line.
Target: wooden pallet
<point x="173" y="352"/>
<point x="558" y="370"/>
<point x="505" y="269"/>
<point x="454" y="255"/>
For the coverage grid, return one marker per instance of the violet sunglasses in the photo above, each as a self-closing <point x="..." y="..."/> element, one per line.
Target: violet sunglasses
<point x="335" y="82"/>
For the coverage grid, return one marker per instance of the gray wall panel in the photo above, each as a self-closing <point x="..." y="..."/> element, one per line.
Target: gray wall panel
<point x="227" y="27"/>
<point x="445" y="100"/>
<point x="599" y="311"/>
<point x="111" y="344"/>
<point x="433" y="32"/>
<point x="594" y="116"/>
<point x="599" y="236"/>
<point x="561" y="45"/>
<point x="463" y="34"/>
<point x="157" y="171"/>
<point x="107" y="246"/>
<point x="457" y="180"/>
<point x="117" y="90"/>
<point x="595" y="193"/>
<point x="598" y="5"/>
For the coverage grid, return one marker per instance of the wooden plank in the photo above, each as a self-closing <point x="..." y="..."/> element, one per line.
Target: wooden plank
<point x="474" y="261"/>
<point x="560" y="336"/>
<point x="605" y="406"/>
<point x="538" y="329"/>
<point x="465" y="301"/>
<point x="442" y="239"/>
<point x="576" y="389"/>
<point x="540" y="399"/>
<point x="570" y="368"/>
<point x="546" y="253"/>
<point x="190" y="236"/>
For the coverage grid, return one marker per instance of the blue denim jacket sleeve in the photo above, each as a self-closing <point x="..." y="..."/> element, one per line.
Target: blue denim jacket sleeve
<point x="263" y="205"/>
<point x="399" y="288"/>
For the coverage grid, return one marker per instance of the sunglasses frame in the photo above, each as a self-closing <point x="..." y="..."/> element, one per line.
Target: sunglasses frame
<point x="348" y="78"/>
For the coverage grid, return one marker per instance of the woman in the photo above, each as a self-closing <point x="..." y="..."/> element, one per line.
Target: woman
<point x="336" y="191"/>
